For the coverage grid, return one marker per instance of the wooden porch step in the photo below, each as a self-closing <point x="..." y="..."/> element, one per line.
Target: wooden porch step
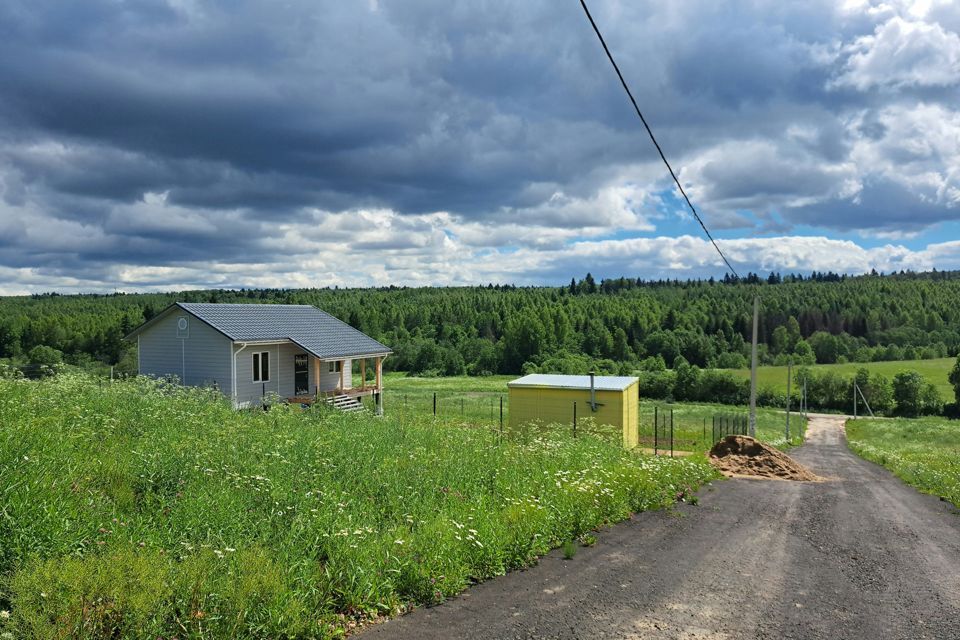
<point x="345" y="403"/>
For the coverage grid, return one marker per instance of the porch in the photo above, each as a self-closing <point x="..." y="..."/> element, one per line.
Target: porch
<point x="333" y="381"/>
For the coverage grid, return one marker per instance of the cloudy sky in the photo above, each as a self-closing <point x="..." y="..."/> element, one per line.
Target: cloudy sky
<point x="161" y="144"/>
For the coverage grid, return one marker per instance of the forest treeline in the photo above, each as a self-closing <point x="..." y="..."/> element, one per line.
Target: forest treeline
<point x="618" y="325"/>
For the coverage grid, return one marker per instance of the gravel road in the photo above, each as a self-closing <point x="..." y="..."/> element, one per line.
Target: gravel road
<point x="859" y="556"/>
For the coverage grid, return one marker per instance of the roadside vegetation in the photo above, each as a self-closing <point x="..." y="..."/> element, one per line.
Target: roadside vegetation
<point x="923" y="452"/>
<point x="142" y="510"/>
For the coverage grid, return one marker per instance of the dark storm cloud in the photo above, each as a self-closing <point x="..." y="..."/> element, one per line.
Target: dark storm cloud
<point x="154" y="133"/>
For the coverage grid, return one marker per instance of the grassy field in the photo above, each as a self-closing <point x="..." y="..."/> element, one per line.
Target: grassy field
<point x="477" y="401"/>
<point x="139" y="510"/>
<point x="923" y="452"/>
<point x="934" y="371"/>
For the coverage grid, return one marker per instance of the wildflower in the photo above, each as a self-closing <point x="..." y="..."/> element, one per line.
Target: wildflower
<point x="5" y="614"/>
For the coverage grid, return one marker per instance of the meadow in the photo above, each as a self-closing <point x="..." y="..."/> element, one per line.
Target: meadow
<point x="923" y="452"/>
<point x="137" y="509"/>
<point x="934" y="371"/>
<point x="476" y="400"/>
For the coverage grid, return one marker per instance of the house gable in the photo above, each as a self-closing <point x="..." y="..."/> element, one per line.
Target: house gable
<point x="178" y="344"/>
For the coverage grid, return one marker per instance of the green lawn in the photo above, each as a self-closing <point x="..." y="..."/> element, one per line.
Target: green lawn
<point x="477" y="401"/>
<point x="924" y="452"/>
<point x="934" y="371"/>
<point x="143" y="510"/>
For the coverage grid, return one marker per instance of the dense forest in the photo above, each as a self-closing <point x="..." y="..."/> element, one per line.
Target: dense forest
<point x="617" y="325"/>
<point x="620" y="325"/>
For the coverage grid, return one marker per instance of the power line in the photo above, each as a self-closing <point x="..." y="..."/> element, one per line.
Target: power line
<point x="650" y="133"/>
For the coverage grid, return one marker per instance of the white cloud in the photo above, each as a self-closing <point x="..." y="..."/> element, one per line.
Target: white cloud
<point x="916" y="146"/>
<point x="901" y="53"/>
<point x="768" y="174"/>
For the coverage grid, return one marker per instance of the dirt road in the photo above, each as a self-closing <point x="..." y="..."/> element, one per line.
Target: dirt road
<point x="860" y="556"/>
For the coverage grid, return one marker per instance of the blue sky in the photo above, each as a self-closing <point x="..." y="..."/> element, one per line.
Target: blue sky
<point x="166" y="144"/>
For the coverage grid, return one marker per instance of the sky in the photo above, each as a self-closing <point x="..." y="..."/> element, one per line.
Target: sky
<point x="153" y="145"/>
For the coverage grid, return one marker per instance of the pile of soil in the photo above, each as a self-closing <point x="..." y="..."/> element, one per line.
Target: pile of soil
<point x="746" y="456"/>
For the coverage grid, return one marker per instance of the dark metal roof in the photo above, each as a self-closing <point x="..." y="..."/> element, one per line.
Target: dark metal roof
<point x="316" y="331"/>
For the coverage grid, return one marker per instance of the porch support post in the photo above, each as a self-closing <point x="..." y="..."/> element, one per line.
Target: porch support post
<point x="363" y="373"/>
<point x="341" y="375"/>
<point x="379" y="383"/>
<point x="316" y="376"/>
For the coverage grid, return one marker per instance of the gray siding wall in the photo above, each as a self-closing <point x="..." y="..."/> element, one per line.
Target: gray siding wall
<point x="330" y="380"/>
<point x="200" y="359"/>
<point x="281" y="372"/>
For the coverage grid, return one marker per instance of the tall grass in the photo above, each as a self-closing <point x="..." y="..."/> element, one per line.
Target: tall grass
<point x="923" y="452"/>
<point x="139" y="509"/>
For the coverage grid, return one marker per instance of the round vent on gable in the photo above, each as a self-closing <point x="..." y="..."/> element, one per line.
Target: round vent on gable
<point x="183" y="327"/>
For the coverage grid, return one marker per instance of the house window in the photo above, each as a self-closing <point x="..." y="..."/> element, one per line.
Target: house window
<point x="334" y="366"/>
<point x="261" y="367"/>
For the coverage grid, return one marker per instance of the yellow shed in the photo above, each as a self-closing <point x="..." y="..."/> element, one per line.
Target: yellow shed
<point x="549" y="399"/>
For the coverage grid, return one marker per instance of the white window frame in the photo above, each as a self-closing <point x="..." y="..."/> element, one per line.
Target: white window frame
<point x="257" y="366"/>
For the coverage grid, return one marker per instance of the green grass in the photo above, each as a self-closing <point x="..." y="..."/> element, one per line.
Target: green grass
<point x="399" y="382"/>
<point x="140" y="510"/>
<point x="693" y="424"/>
<point x="923" y="452"/>
<point x="934" y="371"/>
<point x="476" y="401"/>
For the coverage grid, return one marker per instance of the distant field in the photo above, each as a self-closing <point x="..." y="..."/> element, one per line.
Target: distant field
<point x="924" y="452"/>
<point x="477" y="400"/>
<point x="934" y="371"/>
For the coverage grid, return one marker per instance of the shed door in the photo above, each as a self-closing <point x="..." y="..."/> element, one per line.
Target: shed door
<point x="301" y="374"/>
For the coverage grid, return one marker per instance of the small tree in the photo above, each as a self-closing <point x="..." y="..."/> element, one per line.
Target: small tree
<point x="46" y="358"/>
<point x="907" y="389"/>
<point x="931" y="404"/>
<point x="954" y="379"/>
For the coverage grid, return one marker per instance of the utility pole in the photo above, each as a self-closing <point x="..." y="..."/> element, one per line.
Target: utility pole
<point x="854" y="399"/>
<point x="753" y="369"/>
<point x="789" y="375"/>
<point x="805" y="407"/>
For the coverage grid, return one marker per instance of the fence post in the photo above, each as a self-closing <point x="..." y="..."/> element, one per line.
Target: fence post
<point x="671" y="433"/>
<point x="574" y="418"/>
<point x="713" y="431"/>
<point x="434" y="404"/>
<point x="501" y="418"/>
<point x="656" y="429"/>
<point x="462" y="414"/>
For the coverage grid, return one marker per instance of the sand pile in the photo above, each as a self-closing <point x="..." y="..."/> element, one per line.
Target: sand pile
<point x="745" y="456"/>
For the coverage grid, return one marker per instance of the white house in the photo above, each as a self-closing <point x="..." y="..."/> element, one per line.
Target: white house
<point x="248" y="351"/>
